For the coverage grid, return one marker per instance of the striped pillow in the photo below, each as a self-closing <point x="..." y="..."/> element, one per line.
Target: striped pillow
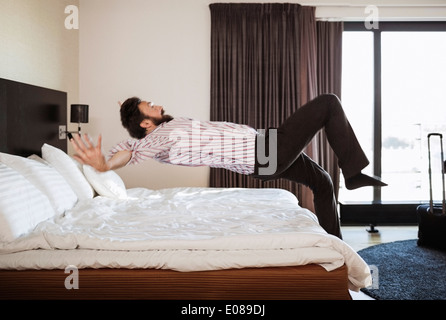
<point x="45" y="178"/>
<point x="22" y="206"/>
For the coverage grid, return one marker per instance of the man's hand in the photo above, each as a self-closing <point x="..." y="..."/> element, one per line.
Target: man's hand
<point x="87" y="153"/>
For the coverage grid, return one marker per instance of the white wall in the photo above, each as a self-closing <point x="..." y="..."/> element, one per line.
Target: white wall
<point x="160" y="50"/>
<point x="157" y="50"/>
<point x="35" y="46"/>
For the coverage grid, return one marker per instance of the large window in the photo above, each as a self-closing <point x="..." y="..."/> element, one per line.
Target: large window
<point x="394" y="93"/>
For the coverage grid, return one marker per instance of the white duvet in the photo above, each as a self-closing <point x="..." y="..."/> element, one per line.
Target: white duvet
<point x="185" y="229"/>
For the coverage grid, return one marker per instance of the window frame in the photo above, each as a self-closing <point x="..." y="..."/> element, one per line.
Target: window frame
<point x="371" y="211"/>
<point x="431" y="26"/>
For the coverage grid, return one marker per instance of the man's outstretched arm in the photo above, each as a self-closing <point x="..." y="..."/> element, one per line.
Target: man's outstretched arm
<point x="87" y="153"/>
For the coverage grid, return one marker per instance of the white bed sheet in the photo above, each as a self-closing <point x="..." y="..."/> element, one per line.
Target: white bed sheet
<point x="185" y="229"/>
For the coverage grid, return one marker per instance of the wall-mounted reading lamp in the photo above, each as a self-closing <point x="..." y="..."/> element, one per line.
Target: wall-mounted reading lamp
<point x="78" y="114"/>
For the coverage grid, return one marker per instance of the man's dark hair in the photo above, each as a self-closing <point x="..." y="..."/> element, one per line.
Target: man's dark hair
<point x="131" y="118"/>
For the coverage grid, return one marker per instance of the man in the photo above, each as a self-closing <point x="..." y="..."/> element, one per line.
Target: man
<point x="235" y="147"/>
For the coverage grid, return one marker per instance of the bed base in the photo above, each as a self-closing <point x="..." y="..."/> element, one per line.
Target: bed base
<point x="309" y="282"/>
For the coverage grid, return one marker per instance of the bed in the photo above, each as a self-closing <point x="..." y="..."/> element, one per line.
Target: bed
<point x="69" y="232"/>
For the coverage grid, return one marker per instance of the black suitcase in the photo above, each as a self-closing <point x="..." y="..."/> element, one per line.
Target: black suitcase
<point x="432" y="216"/>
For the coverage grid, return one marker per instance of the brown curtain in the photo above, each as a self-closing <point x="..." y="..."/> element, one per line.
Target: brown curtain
<point x="264" y="65"/>
<point x="329" y="78"/>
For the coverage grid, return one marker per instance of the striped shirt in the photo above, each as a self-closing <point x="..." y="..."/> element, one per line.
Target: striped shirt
<point x="188" y="142"/>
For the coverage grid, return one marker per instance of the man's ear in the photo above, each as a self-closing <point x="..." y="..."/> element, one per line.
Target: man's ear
<point x="147" y="124"/>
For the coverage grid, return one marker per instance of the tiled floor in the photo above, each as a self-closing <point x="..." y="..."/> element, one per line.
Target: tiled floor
<point x="359" y="238"/>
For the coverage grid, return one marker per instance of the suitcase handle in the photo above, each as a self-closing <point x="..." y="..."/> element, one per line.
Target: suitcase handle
<point x="434" y="134"/>
<point x="443" y="169"/>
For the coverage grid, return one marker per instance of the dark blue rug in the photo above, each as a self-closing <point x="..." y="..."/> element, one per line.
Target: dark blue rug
<point x="402" y="270"/>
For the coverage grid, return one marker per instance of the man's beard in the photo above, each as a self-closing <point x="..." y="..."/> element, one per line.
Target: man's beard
<point x="164" y="118"/>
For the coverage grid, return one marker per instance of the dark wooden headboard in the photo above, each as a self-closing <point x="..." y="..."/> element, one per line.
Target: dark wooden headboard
<point x="29" y="117"/>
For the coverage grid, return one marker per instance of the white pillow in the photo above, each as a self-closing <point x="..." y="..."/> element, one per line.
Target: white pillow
<point x="107" y="184"/>
<point x="69" y="170"/>
<point x="44" y="178"/>
<point x="22" y="205"/>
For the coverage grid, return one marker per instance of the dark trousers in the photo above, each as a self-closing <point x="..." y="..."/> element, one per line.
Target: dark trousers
<point x="324" y="112"/>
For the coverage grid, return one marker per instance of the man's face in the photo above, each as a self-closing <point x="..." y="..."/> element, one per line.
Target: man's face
<point x="151" y="110"/>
